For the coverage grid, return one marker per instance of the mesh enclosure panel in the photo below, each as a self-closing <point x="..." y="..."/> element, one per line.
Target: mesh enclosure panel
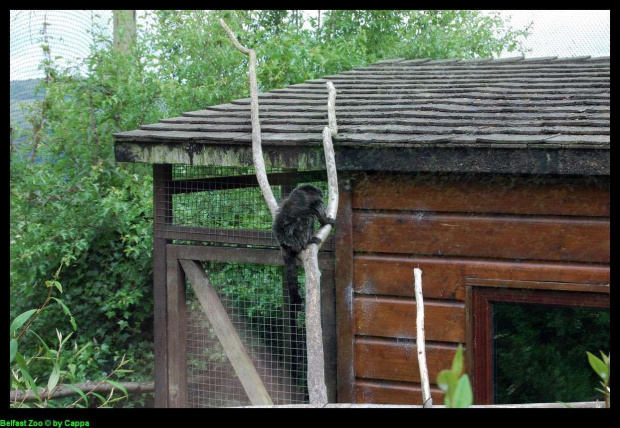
<point x="69" y="35"/>
<point x="222" y="206"/>
<point x="274" y="338"/>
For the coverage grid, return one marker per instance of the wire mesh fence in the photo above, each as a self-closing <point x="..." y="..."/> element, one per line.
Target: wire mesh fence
<point x="223" y="207"/>
<point x="562" y="33"/>
<point x="69" y="35"/>
<point x="272" y="332"/>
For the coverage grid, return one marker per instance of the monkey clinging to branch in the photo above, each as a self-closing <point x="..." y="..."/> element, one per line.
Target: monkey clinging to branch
<point x="294" y="229"/>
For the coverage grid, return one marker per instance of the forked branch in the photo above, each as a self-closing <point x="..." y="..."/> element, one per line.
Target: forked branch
<point x="314" y="335"/>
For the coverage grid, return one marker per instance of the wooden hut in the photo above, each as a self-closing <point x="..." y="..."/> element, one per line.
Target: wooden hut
<point x="492" y="176"/>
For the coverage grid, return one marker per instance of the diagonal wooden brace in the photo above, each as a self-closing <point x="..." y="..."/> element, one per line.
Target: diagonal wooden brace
<point x="226" y="333"/>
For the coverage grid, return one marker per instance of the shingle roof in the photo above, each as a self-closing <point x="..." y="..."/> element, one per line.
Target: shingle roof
<point x="517" y="103"/>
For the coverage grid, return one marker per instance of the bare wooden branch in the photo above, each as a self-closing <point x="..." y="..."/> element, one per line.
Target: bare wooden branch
<point x="331" y="109"/>
<point x="317" y="390"/>
<point x="104" y="388"/>
<point x="257" y="150"/>
<point x="427" y="400"/>
<point x="332" y="184"/>
<point x="314" y="333"/>
<point x="232" y="37"/>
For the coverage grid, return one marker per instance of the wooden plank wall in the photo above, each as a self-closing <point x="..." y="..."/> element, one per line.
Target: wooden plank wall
<point x="514" y="228"/>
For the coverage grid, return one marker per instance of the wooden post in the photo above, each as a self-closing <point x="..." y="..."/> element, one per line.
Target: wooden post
<point x="124" y="29"/>
<point x="177" y="332"/>
<point x="344" y="294"/>
<point x="162" y="207"/>
<point x="328" y="322"/>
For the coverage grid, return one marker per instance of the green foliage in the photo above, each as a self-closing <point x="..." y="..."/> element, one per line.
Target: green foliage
<point x="455" y="384"/>
<point x="35" y="361"/>
<point x="424" y="33"/>
<point x="603" y="369"/>
<point x="73" y="205"/>
<point x="539" y="352"/>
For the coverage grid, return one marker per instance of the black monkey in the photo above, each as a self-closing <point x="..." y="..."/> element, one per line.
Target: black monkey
<point x="294" y="229"/>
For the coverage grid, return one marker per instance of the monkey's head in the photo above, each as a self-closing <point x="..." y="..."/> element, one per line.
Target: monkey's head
<point x="311" y="190"/>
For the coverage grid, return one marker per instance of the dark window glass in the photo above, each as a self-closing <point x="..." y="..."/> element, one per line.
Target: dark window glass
<point x="539" y="352"/>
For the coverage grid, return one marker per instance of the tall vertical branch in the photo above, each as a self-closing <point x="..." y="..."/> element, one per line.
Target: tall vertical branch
<point x="257" y="149"/>
<point x="317" y="390"/>
<point x="331" y="110"/>
<point x="427" y="400"/>
<point x="314" y="334"/>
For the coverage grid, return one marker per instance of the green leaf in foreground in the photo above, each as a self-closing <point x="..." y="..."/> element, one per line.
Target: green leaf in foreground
<point x="457" y="363"/>
<point x="599" y="366"/>
<point x="457" y="388"/>
<point x="13" y="349"/>
<point x="66" y="310"/>
<point x="446" y="380"/>
<point x="20" y="320"/>
<point x="79" y="391"/>
<point x="54" y="377"/>
<point x="463" y="395"/>
<point x="23" y="368"/>
<point x="119" y="386"/>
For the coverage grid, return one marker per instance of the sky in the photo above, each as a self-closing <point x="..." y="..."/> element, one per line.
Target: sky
<point x="555" y="32"/>
<point x="563" y="32"/>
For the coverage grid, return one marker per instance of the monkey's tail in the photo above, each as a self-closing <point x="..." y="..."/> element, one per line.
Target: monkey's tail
<point x="290" y="263"/>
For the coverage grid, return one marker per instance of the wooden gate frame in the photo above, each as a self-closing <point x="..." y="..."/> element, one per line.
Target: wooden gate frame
<point x="171" y="362"/>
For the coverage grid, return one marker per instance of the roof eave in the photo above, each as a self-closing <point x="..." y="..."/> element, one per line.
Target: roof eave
<point x="499" y="160"/>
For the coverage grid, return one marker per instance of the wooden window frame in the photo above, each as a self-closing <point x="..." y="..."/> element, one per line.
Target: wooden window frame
<point x="480" y="320"/>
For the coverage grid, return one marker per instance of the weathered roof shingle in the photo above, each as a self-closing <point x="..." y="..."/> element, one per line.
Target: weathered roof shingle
<point x="517" y="103"/>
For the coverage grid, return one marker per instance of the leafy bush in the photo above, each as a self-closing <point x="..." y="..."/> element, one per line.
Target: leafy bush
<point x="29" y="364"/>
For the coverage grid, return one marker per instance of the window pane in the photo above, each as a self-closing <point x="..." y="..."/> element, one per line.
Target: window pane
<point x="540" y="352"/>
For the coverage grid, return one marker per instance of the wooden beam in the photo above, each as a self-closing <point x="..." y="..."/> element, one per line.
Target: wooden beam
<point x="558" y="238"/>
<point x="328" y="323"/>
<point x="446" y="277"/>
<point x="177" y="332"/>
<point x="344" y="294"/>
<point x="213" y="234"/>
<point x="286" y="179"/>
<point x="162" y="203"/>
<point x="546" y="195"/>
<point x="578" y="405"/>
<point x="270" y="257"/>
<point x="225" y="331"/>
